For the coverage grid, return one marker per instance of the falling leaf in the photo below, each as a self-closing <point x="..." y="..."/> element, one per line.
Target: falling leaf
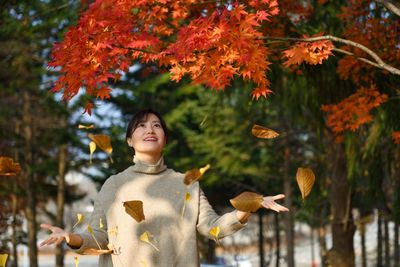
<point x="104" y="142"/>
<point x="305" y="180"/>
<point x="144" y="263"/>
<point x="92" y="148"/>
<point x="3" y="260"/>
<point x="113" y="231"/>
<point x="81" y="126"/>
<point x="262" y="132"/>
<point x="135" y="209"/>
<point x="101" y="225"/>
<point x="76" y="261"/>
<point x="80" y="218"/>
<point x="194" y="175"/>
<point x="94" y="251"/>
<point x="215" y="233"/>
<point x="145" y="237"/>
<point x="8" y="167"/>
<point x="188" y="197"/>
<point x="90" y="230"/>
<point x="247" y="201"/>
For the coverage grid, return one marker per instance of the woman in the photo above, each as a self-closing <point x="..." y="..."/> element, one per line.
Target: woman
<point x="174" y="212"/>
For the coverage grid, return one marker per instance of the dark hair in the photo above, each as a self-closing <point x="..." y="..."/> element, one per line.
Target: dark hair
<point x="140" y="116"/>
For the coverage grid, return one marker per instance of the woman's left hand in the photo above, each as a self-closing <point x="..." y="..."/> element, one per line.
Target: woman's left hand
<point x="269" y="203"/>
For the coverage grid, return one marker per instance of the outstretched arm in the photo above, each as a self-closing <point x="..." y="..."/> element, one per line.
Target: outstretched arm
<point x="268" y="203"/>
<point x="58" y="235"/>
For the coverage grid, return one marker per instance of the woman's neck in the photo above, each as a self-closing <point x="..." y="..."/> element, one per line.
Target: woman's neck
<point x="148" y="158"/>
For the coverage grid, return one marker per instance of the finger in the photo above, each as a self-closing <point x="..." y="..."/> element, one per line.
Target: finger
<point x="280" y="196"/>
<point x="46" y="242"/>
<point x="47" y="226"/>
<point x="59" y="241"/>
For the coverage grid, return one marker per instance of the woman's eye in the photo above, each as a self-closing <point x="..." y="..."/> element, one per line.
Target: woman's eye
<point x="157" y="125"/>
<point x="142" y="125"/>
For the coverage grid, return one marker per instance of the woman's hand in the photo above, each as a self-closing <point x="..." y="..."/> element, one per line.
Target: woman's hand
<point x="57" y="235"/>
<point x="269" y="203"/>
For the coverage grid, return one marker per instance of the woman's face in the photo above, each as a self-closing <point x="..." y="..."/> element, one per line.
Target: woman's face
<point x="148" y="138"/>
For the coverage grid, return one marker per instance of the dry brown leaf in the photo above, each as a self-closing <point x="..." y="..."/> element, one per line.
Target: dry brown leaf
<point x="8" y="167"/>
<point x="104" y="142"/>
<point x="263" y="132"/>
<point x="247" y="201"/>
<point x="194" y="175"/>
<point x="135" y="209"/>
<point x="82" y="126"/>
<point x="93" y="251"/>
<point x="305" y="180"/>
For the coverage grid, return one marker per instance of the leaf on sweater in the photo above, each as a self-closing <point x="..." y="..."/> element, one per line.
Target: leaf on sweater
<point x="214" y="232"/>
<point x="144" y="263"/>
<point x="113" y="231"/>
<point x="101" y="225"/>
<point x="145" y="237"/>
<point x="305" y="180"/>
<point x="247" y="201"/>
<point x="90" y="230"/>
<point x="80" y="218"/>
<point x="135" y="209"/>
<point x="188" y="197"/>
<point x="8" y="167"/>
<point x="263" y="132"/>
<point x="92" y="148"/>
<point x="3" y="260"/>
<point x="86" y="127"/>
<point x="194" y="175"/>
<point x="76" y="261"/>
<point x="104" y="142"/>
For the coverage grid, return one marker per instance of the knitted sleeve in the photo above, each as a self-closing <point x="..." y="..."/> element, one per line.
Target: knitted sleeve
<point x="92" y="243"/>
<point x="208" y="219"/>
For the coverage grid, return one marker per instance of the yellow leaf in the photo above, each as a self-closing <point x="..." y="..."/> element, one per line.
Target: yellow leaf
<point x="305" y="180"/>
<point x="113" y="231"/>
<point x="76" y="261"/>
<point x="144" y="263"/>
<point x="81" y="126"/>
<point x="215" y="232"/>
<point x="188" y="197"/>
<point x="103" y="141"/>
<point x="194" y="175"/>
<point x="92" y="148"/>
<point x="145" y="237"/>
<point x="135" y="209"/>
<point x="262" y="132"/>
<point x="8" y="167"/>
<point x="80" y="218"/>
<point x="90" y="230"/>
<point x="101" y="225"/>
<point x="3" y="260"/>
<point x="247" y="201"/>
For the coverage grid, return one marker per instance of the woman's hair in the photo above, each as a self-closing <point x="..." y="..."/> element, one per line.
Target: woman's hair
<point x="141" y="116"/>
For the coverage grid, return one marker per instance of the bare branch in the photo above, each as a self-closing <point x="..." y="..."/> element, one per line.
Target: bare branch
<point x="391" y="6"/>
<point x="378" y="61"/>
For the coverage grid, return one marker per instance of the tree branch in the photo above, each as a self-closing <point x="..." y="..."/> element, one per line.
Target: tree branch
<point x="378" y="61"/>
<point x="391" y="6"/>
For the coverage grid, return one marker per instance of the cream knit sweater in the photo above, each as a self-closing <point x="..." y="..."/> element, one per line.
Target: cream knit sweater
<point x="163" y="194"/>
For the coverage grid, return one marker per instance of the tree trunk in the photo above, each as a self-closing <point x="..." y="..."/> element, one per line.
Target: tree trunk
<point x="261" y="238"/>
<point x="386" y="241"/>
<point x="363" y="248"/>
<point x="379" y="241"/>
<point x="14" y="239"/>
<point x="322" y="245"/>
<point x="30" y="181"/>
<point x="278" y="239"/>
<point x="288" y="216"/>
<point x="342" y="252"/>
<point x="62" y="161"/>
<point x="313" y="263"/>
<point x="396" y="245"/>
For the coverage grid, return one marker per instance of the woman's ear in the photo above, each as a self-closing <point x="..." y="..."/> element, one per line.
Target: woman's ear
<point x="129" y="141"/>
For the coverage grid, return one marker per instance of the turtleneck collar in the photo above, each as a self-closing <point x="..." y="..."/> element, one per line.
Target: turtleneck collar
<point x="147" y="168"/>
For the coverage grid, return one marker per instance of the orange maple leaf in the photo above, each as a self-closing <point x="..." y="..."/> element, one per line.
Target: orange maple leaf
<point x="396" y="137"/>
<point x="88" y="108"/>
<point x="104" y="93"/>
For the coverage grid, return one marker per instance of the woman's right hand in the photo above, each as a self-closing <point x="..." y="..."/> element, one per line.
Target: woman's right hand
<point x="56" y="237"/>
